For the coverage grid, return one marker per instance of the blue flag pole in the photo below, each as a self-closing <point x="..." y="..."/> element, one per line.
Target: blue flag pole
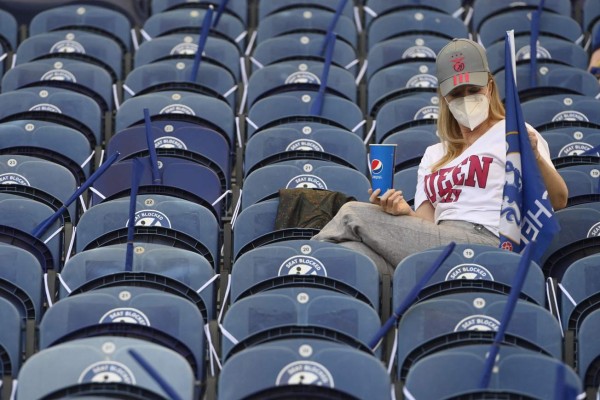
<point x="535" y="32"/>
<point x="151" y="148"/>
<point x="317" y="105"/>
<point x="410" y="297"/>
<point x="509" y="308"/>
<point x="136" y="176"/>
<point x="43" y="227"/>
<point x="204" y="29"/>
<point x="154" y="375"/>
<point x="220" y="11"/>
<point x="333" y="23"/>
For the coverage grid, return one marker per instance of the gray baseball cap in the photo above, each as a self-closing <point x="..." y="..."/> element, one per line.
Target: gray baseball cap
<point x="461" y="62"/>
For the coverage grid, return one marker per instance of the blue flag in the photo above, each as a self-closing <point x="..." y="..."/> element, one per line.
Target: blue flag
<point x="526" y="214"/>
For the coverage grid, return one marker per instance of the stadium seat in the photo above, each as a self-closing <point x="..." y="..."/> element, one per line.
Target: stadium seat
<point x="266" y="7"/>
<point x="155" y="266"/>
<point x="303" y="368"/>
<point x="582" y="183"/>
<point x="588" y="351"/>
<point x="572" y="145"/>
<point x="375" y="8"/>
<point x="239" y="8"/>
<point x="11" y="344"/>
<point x="309" y="313"/>
<point x="106" y="366"/>
<point x="405" y="112"/>
<point x="133" y="312"/>
<point x="304" y="263"/>
<point x="591" y="14"/>
<point x="410" y="144"/>
<point x="406" y="180"/>
<point x="8" y="31"/>
<point x="550" y="111"/>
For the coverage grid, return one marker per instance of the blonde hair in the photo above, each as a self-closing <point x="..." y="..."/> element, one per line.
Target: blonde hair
<point x="449" y="131"/>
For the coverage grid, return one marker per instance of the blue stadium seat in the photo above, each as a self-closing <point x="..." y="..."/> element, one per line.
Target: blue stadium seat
<point x="304" y="141"/>
<point x="469" y="268"/>
<point x="8" y="31"/>
<point x="40" y="180"/>
<point x="405" y="112"/>
<point x="591" y="14"/>
<point x="551" y="111"/>
<point x="300" y="75"/>
<point x="487" y="9"/>
<point x="11" y="344"/>
<point x="189" y="20"/>
<point x="104" y="366"/>
<point x="588" y="352"/>
<point x="551" y="24"/>
<point x="518" y="373"/>
<point x="168" y="269"/>
<point x="582" y="182"/>
<point x="408" y="22"/>
<point x="133" y="312"/>
<point x="399" y="80"/>
<point x="376" y="8"/>
<point x="217" y="51"/>
<point x="306" y="263"/>
<point x="292" y="312"/>
<point x="569" y="144"/>
<point x="303" y="368"/>
<point x="81" y="77"/>
<point x="108" y="22"/>
<point x="266" y="7"/>
<point x="239" y="8"/>
<point x="49" y="141"/>
<point x="158" y="219"/>
<point x="410" y="144"/>
<point x="78" y="45"/>
<point x="296" y="106"/>
<point x="406" y="180"/>
<point x="175" y="74"/>
<point x="264" y="183"/>
<point x="459" y="319"/>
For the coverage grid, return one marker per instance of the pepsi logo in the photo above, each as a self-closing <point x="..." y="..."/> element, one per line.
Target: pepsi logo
<point x="376" y="166"/>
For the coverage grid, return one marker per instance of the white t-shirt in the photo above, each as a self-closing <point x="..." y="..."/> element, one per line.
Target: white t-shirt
<point x="469" y="188"/>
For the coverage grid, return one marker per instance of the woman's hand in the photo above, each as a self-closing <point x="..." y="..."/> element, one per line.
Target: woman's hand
<point x="392" y="202"/>
<point x="534" y="143"/>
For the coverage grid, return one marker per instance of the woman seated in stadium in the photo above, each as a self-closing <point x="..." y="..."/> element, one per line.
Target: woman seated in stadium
<point x="460" y="180"/>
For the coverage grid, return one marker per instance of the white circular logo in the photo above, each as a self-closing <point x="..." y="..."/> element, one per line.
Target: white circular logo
<point x="418" y="52"/>
<point x="46" y="108"/>
<point x="477" y="323"/>
<point x="469" y="271"/>
<point x="305" y="373"/>
<point x="428" y="112"/>
<point x="150" y="218"/>
<point x="177" y="109"/>
<point x="575" y="149"/>
<point x="184" y="49"/>
<point x="302" y="265"/>
<point x="422" y="81"/>
<point x="107" y="371"/>
<point x="58" y="75"/>
<point x="67" y="46"/>
<point x="524" y="53"/>
<point x="594" y="230"/>
<point x="169" y="142"/>
<point x="306" y="182"/>
<point x="304" y="145"/>
<point x="13" y="179"/>
<point x="306" y="249"/>
<point x="303" y="77"/>
<point x="570" y="116"/>
<point x="125" y="315"/>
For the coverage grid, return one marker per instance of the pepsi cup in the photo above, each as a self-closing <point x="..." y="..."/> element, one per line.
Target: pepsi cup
<point x="381" y="165"/>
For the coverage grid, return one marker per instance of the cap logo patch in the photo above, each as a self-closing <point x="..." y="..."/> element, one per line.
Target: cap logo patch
<point x="459" y="65"/>
<point x="460" y="78"/>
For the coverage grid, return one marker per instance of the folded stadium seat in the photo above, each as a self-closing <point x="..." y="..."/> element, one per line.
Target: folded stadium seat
<point x="572" y="145"/>
<point x="211" y="80"/>
<point x="8" y="31"/>
<point x="518" y="374"/>
<point x="299" y="75"/>
<point x="551" y="24"/>
<point x="238" y="8"/>
<point x="552" y="79"/>
<point x="409" y="22"/>
<point x="158" y="219"/>
<point x="179" y="108"/>
<point x="590" y="14"/>
<point x="459" y="319"/>
<point x="309" y="20"/>
<point x="195" y="143"/>
<point x="549" y="50"/>
<point x="412" y="110"/>
<point x="588" y="352"/>
<point x="375" y="8"/>
<point x="133" y="312"/>
<point x="84" y="46"/>
<point x="11" y="345"/>
<point x="48" y="141"/>
<point x="406" y="180"/>
<point x="410" y="144"/>
<point x="189" y="20"/>
<point x="73" y="75"/>
<point x="266" y="7"/>
<point x="562" y="110"/>
<point x="294" y="312"/>
<point x="173" y="179"/>
<point x="264" y="183"/>
<point x="102" y="20"/>
<point x="40" y="180"/>
<point x="582" y="183"/>
<point x="304" y="368"/>
<point x="294" y="47"/>
<point x="577" y="238"/>
<point x="307" y="142"/>
<point x="297" y="106"/>
<point x="217" y="51"/>
<point x="405" y="49"/>
<point x="304" y="263"/>
<point x="106" y="367"/>
<point x="399" y="80"/>
<point x="20" y="217"/>
<point x="488" y="9"/>
<point x="60" y="106"/>
<point x="471" y="268"/>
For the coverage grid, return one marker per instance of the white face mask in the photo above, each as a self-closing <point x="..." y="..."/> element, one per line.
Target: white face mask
<point x="470" y="111"/>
